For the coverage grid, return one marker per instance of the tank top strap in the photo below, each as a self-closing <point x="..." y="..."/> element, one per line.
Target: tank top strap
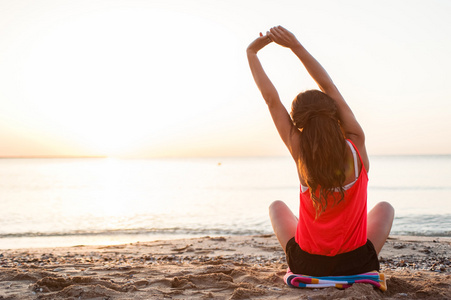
<point x="354" y="154"/>
<point x="356" y="167"/>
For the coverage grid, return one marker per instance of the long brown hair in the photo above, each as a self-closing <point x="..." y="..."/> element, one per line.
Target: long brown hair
<point x="322" y="146"/>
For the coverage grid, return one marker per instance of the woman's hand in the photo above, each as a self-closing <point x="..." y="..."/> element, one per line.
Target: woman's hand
<point x="283" y="37"/>
<point x="258" y="43"/>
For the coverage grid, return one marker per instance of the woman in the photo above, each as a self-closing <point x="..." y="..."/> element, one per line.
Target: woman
<point x="333" y="235"/>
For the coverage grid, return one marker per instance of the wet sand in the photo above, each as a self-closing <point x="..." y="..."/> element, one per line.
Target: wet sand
<point x="230" y="267"/>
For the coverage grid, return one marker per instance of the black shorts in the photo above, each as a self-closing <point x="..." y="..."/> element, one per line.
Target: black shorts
<point x="361" y="260"/>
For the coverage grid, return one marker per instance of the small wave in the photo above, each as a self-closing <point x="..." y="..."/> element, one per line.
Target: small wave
<point x="153" y="231"/>
<point x="416" y="225"/>
<point x="410" y="188"/>
<point x="424" y="233"/>
<point x="422" y="225"/>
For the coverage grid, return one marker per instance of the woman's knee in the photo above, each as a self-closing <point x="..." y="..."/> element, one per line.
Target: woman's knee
<point x="283" y="221"/>
<point x="381" y="216"/>
<point x="385" y="209"/>
<point x="380" y="220"/>
<point x="280" y="213"/>
<point x="277" y="206"/>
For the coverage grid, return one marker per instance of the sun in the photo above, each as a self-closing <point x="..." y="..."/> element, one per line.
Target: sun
<point x="117" y="81"/>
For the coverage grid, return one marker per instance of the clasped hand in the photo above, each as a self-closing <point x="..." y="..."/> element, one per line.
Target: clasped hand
<point x="277" y="34"/>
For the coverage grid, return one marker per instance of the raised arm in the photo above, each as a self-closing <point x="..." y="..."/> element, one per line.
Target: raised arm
<point x="279" y="114"/>
<point x="349" y="123"/>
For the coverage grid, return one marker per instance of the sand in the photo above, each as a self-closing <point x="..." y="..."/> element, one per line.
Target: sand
<point x="231" y="267"/>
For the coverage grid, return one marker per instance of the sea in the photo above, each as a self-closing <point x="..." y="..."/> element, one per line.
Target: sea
<point x="103" y="201"/>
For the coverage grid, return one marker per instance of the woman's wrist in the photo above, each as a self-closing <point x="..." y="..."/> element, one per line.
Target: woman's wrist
<point x="296" y="47"/>
<point x="252" y="50"/>
<point x="258" y="44"/>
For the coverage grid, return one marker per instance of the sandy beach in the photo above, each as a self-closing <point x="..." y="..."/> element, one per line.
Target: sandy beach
<point x="230" y="267"/>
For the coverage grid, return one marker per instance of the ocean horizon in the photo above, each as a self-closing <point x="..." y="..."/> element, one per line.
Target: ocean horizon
<point x="73" y="201"/>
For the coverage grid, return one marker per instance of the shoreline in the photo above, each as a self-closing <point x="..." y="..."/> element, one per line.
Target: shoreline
<point x="55" y="242"/>
<point x="225" y="267"/>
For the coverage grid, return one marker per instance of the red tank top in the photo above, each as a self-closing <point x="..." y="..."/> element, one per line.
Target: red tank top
<point x="341" y="227"/>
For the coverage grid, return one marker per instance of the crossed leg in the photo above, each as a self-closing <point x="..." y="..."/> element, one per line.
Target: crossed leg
<point x="283" y="221"/>
<point x="380" y="220"/>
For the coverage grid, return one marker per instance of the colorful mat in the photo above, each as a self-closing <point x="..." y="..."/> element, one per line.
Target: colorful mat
<point x="341" y="282"/>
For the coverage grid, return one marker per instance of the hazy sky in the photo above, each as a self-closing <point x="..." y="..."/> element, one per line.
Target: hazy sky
<point x="170" y="78"/>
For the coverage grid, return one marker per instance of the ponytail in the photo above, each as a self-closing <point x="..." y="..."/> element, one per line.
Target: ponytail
<point x="322" y="147"/>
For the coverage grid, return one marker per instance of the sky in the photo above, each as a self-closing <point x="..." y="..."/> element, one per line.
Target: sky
<point x="170" y="78"/>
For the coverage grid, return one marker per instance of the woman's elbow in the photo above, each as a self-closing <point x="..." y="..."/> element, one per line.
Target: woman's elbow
<point x="271" y="100"/>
